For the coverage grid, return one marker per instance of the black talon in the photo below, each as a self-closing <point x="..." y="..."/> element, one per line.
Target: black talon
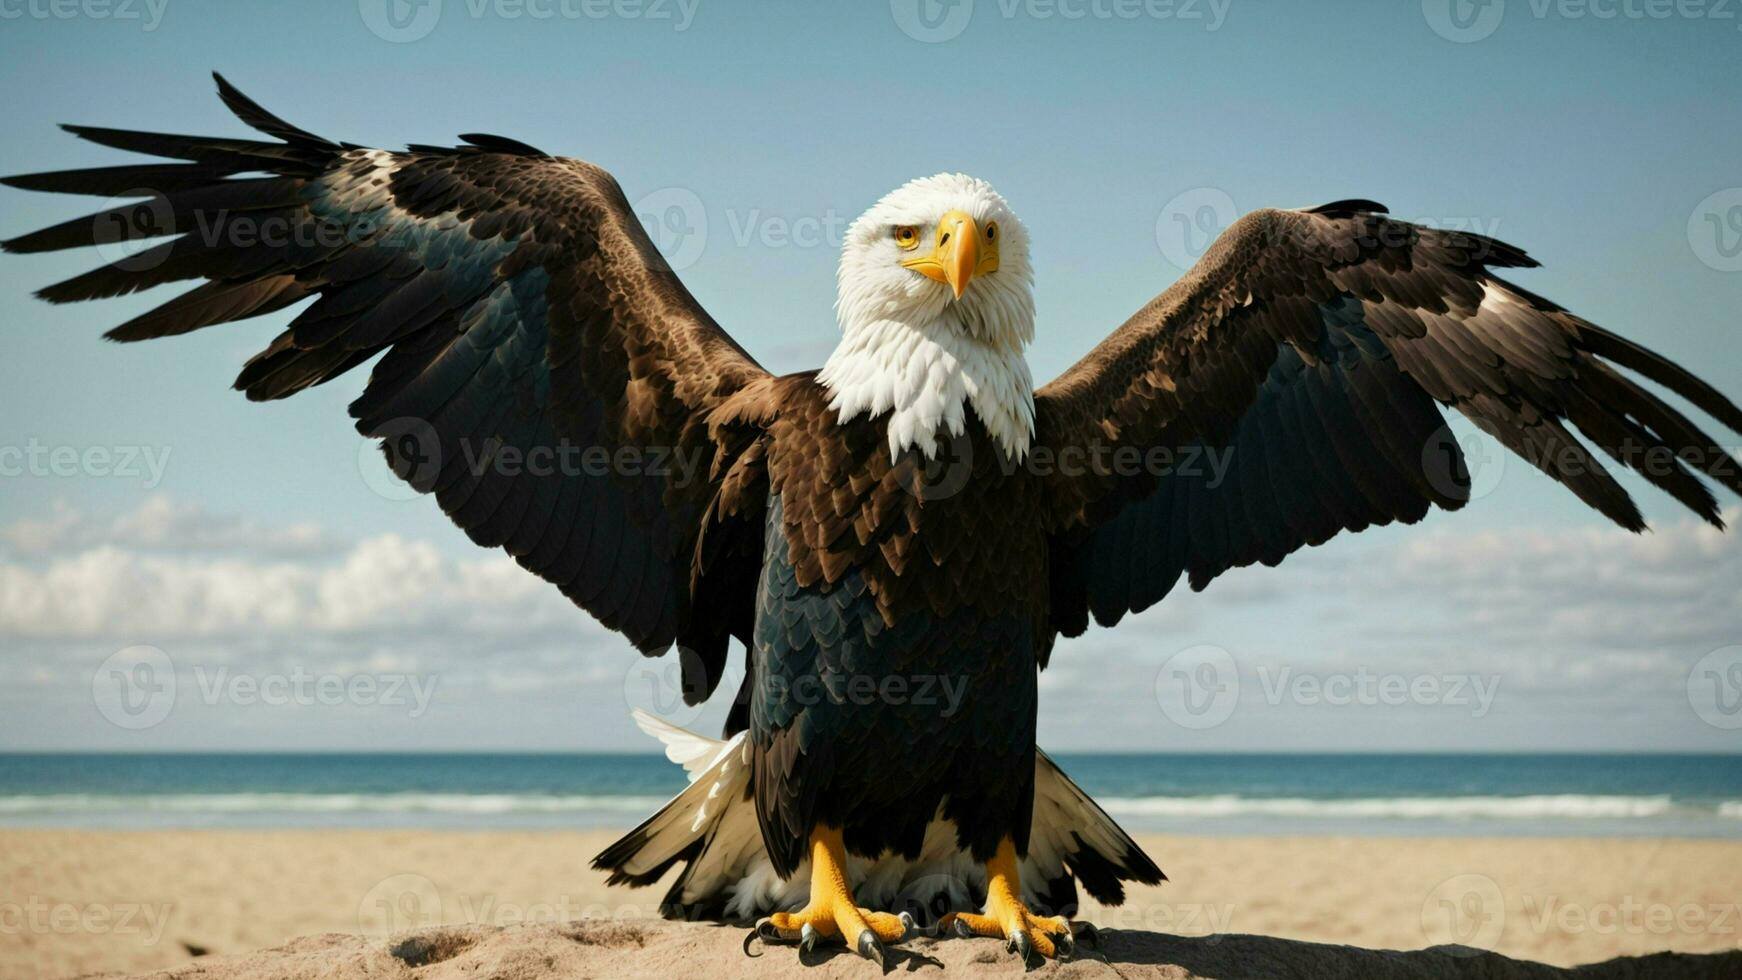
<point x="870" y="948"/>
<point x="765" y="931"/>
<point x="755" y="934"/>
<point x="1066" y="943"/>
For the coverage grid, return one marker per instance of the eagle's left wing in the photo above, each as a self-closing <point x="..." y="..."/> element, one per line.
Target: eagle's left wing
<point x="1288" y="388"/>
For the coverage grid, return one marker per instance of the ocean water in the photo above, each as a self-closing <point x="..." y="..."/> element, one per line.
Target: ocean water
<point x="1477" y="795"/>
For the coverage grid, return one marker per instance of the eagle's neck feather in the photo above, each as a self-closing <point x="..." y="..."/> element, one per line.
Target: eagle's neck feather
<point x="927" y="375"/>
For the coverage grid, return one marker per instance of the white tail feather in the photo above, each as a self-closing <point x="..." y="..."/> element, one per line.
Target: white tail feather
<point x="712" y="825"/>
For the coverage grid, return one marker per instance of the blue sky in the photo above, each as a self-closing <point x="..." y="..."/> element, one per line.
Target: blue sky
<point x="1606" y="145"/>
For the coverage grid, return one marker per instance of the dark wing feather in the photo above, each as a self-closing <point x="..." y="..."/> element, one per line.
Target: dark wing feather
<point x="1293" y="383"/>
<point x="529" y="329"/>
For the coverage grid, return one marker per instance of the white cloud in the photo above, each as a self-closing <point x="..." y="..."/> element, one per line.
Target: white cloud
<point x="1594" y="590"/>
<point x="1583" y="625"/>
<point x="161" y="524"/>
<point x="168" y="573"/>
<point x="384" y="583"/>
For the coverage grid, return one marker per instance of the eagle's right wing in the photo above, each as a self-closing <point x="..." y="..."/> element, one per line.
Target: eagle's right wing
<point x="543" y="372"/>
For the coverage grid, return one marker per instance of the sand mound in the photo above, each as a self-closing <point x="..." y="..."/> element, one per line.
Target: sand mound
<point x="599" y="948"/>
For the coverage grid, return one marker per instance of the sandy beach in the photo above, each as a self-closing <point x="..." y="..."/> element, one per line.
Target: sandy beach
<point x="83" y="902"/>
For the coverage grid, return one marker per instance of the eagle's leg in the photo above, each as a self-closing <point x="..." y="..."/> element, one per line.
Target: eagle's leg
<point x="831" y="911"/>
<point x="1006" y="917"/>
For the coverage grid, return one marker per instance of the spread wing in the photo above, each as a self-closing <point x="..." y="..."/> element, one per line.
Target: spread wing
<point x="1289" y="387"/>
<point x="542" y="372"/>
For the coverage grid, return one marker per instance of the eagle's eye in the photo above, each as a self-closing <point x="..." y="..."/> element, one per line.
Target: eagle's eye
<point x="907" y="236"/>
<point x="991" y="231"/>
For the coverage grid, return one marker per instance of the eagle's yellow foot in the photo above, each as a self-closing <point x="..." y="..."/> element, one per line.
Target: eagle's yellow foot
<point x="831" y="912"/>
<point x="1007" y="918"/>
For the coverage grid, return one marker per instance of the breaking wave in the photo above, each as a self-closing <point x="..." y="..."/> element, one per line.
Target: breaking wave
<point x="485" y="804"/>
<point x="1563" y="806"/>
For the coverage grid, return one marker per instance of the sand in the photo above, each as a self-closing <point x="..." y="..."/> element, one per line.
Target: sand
<point x="602" y="948"/>
<point x="78" y="902"/>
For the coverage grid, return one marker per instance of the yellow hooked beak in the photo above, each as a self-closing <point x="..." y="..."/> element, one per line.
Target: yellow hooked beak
<point x="963" y="251"/>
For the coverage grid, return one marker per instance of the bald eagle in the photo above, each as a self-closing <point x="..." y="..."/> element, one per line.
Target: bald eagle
<point x="915" y="512"/>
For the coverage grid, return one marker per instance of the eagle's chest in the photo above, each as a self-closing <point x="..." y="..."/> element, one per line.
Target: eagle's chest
<point x="893" y="586"/>
<point x="914" y="537"/>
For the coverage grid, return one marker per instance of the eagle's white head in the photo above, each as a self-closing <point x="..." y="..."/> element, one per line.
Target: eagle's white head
<point x="936" y="303"/>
